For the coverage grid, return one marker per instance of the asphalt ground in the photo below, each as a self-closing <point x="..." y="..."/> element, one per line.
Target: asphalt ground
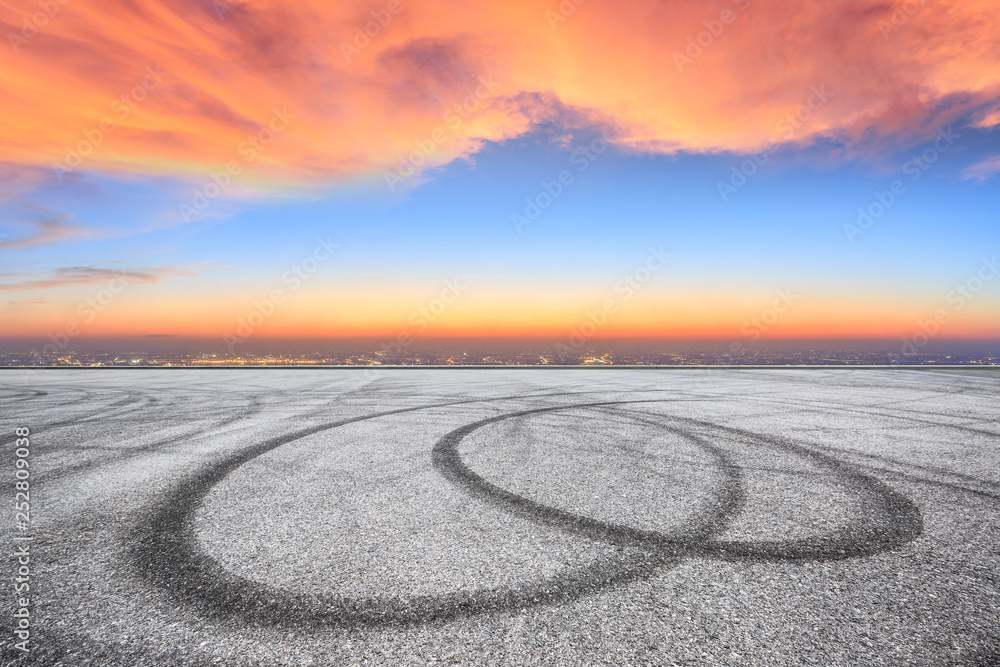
<point x="505" y="516"/>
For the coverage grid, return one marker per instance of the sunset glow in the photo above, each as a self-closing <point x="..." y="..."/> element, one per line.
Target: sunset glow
<point x="182" y="165"/>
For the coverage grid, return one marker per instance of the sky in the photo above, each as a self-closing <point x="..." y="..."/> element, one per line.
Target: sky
<point x="735" y="170"/>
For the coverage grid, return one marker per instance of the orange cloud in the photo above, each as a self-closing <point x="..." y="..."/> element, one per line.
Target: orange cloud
<point x="299" y="94"/>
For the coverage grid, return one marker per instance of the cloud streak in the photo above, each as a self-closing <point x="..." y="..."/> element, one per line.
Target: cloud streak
<point x="46" y="231"/>
<point x="73" y="276"/>
<point x="983" y="170"/>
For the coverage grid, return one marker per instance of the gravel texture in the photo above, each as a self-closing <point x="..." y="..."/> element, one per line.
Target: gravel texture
<point x="507" y="516"/>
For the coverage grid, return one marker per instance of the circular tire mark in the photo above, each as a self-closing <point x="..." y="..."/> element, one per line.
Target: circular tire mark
<point x="165" y="547"/>
<point x="901" y="518"/>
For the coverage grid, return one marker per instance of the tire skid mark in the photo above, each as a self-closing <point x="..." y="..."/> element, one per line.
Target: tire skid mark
<point x="906" y="416"/>
<point x="905" y="521"/>
<point x="130" y="400"/>
<point x="887" y="461"/>
<point x="120" y="455"/>
<point x="165" y="552"/>
<point x="449" y="463"/>
<point x="164" y="548"/>
<point x="18" y="398"/>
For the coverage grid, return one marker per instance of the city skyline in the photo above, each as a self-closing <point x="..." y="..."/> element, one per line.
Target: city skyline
<point x="458" y="353"/>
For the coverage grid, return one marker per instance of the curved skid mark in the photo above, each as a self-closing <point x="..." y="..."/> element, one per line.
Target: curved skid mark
<point x="449" y="463"/>
<point x="130" y="400"/>
<point x="118" y="455"/>
<point x="901" y="414"/>
<point x="17" y="398"/>
<point x="903" y="523"/>
<point x="934" y="470"/>
<point x="165" y="549"/>
<point x="166" y="553"/>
